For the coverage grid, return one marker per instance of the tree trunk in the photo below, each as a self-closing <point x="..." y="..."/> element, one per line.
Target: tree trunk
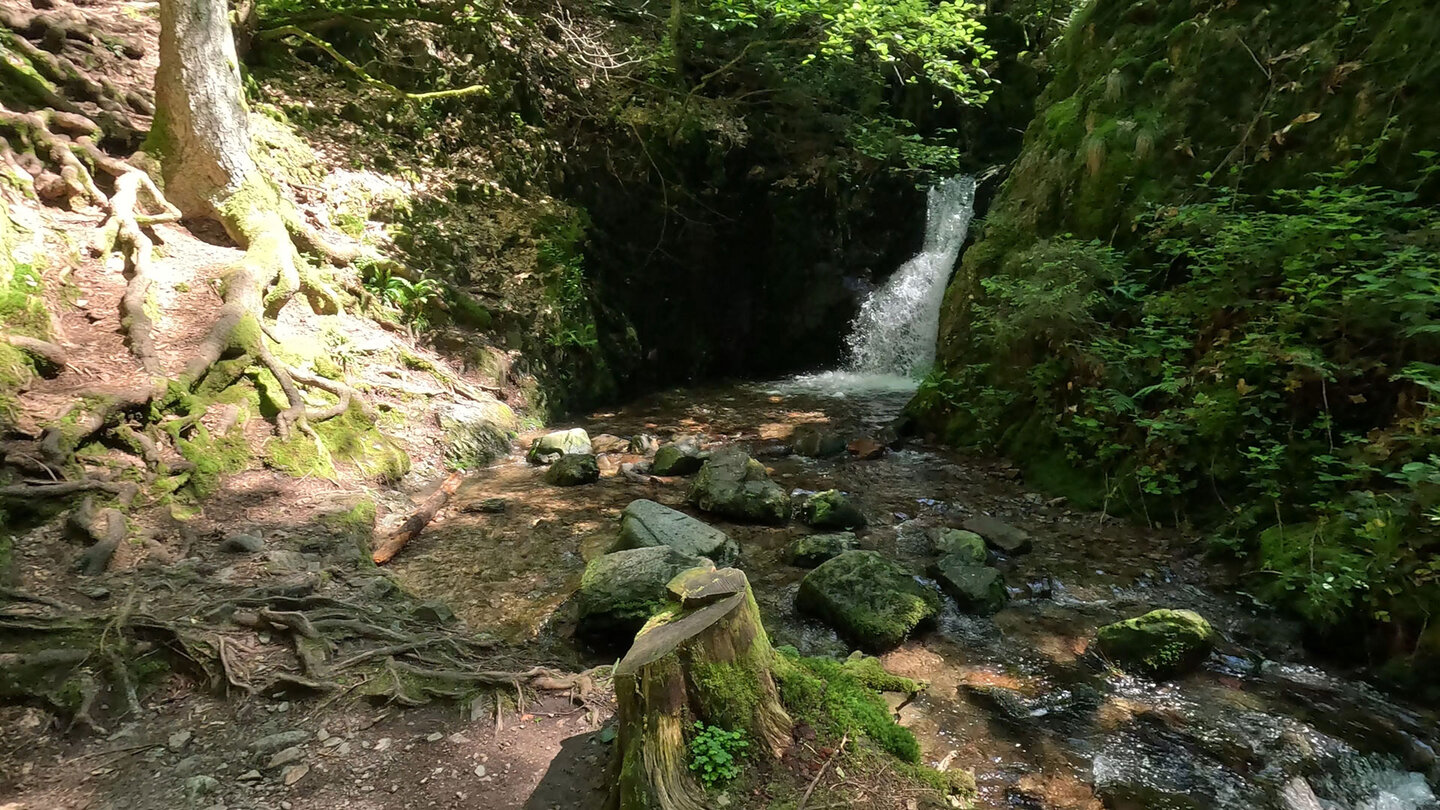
<point x="707" y="659"/>
<point x="200" y="133"/>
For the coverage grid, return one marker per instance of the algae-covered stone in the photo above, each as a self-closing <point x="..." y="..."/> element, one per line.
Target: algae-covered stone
<point x="551" y="446"/>
<point x="831" y="510"/>
<point x="619" y="592"/>
<point x="975" y="588"/>
<point x="573" y="470"/>
<point x="969" y="546"/>
<point x="817" y="442"/>
<point x="645" y="524"/>
<point x="476" y="433"/>
<point x="677" y="458"/>
<point x="813" y="549"/>
<point x="1161" y="644"/>
<point x="873" y="602"/>
<point x="736" y="486"/>
<point x="1000" y="535"/>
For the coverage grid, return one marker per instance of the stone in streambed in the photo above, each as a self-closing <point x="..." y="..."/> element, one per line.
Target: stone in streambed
<point x="976" y="589"/>
<point x="619" y="592"/>
<point x="814" y="549"/>
<point x="550" y="447"/>
<point x="969" y="546"/>
<point x="646" y="524"/>
<point x="831" y="509"/>
<point x="1160" y="644"/>
<point x="817" y="442"/>
<point x="733" y="485"/>
<point x="677" y="458"/>
<point x="1000" y="535"/>
<point x="609" y="443"/>
<point x="573" y="470"/>
<point x="873" y="602"/>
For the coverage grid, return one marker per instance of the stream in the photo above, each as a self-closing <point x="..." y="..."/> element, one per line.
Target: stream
<point x="1014" y="697"/>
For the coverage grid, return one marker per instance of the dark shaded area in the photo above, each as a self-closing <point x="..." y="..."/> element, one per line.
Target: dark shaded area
<point x="577" y="778"/>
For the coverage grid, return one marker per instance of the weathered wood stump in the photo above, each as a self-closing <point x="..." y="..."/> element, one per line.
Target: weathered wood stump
<point x="706" y="659"/>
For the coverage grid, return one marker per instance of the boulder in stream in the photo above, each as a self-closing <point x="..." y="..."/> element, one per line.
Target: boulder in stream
<point x="609" y="443"/>
<point x="831" y="509"/>
<point x="619" y="592"/>
<point x="552" y="446"/>
<point x="1000" y="535"/>
<point x="814" y="549"/>
<point x="975" y="588"/>
<point x="573" y="470"/>
<point x="1160" y="644"/>
<point x="678" y="458"/>
<point x="968" y="546"/>
<point x="647" y="524"/>
<point x="816" y="441"/>
<point x="872" y="601"/>
<point x="733" y="485"/>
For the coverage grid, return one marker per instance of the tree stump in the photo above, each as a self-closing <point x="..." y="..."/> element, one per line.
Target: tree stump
<point x="705" y="659"/>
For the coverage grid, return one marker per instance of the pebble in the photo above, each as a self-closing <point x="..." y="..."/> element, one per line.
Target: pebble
<point x="178" y="740"/>
<point x="242" y="544"/>
<point x="275" y="742"/>
<point x="285" y="757"/>
<point x="249" y="776"/>
<point x="201" y="785"/>
<point x="294" y="774"/>
<point x="435" y="737"/>
<point x="480" y="770"/>
<point x="383" y="743"/>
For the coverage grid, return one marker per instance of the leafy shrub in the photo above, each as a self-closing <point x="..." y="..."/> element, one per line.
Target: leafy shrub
<point x="715" y="753"/>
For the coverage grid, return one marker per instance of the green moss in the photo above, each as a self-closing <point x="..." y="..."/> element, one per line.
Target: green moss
<point x="351" y="437"/>
<point x="729" y="693"/>
<point x="213" y="458"/>
<point x="837" y="697"/>
<point x="300" y="456"/>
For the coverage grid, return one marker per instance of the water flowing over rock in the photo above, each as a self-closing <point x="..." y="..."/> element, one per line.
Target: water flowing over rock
<point x="736" y="486"/>
<point x="646" y="524"/>
<point x="873" y="602"/>
<point x="896" y="329"/>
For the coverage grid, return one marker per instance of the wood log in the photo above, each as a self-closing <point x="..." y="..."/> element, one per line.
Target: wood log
<point x="705" y="659"/>
<point x="417" y="522"/>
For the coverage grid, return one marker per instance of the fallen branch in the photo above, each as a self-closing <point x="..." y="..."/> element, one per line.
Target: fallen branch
<point x="299" y="33"/>
<point x="813" y="782"/>
<point x="417" y="522"/>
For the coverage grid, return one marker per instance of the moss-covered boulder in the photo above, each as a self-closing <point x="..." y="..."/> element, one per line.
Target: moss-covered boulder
<point x="967" y="546"/>
<point x="975" y="588"/>
<point x="831" y="509"/>
<point x="677" y="458"/>
<point x="1160" y="644"/>
<point x="476" y="433"/>
<point x="733" y="485"/>
<point x="573" y="470"/>
<point x="647" y="524"/>
<point x="814" y="549"/>
<point x="1000" y="535"/>
<point x="619" y="592"/>
<point x="551" y="446"/>
<point x="873" y="602"/>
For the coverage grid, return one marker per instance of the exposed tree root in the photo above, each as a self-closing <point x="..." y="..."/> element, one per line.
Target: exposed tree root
<point x="52" y="358"/>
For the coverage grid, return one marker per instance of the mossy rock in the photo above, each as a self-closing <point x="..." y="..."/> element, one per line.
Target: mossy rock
<point x="477" y="433"/>
<point x="872" y="601"/>
<point x="817" y="442"/>
<point x="814" y="549"/>
<point x="678" y="458"/>
<point x="573" y="470"/>
<point x="1160" y="644"/>
<point x="736" y="486"/>
<point x="1000" y="535"/>
<point x="646" y="524"/>
<point x="831" y="509"/>
<point x="551" y="446"/>
<point x="619" y="593"/>
<point x="975" y="588"/>
<point x="967" y="546"/>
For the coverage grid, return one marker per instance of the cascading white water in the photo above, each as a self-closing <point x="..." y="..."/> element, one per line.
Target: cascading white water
<point x="895" y="332"/>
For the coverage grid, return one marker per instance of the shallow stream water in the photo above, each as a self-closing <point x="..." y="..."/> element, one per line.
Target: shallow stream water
<point x="1013" y="697"/>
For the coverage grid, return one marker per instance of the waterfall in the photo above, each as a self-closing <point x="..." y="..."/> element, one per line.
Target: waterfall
<point x="898" y="324"/>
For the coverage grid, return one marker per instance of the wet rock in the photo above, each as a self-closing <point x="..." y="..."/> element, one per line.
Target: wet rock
<point x="968" y="546"/>
<point x="242" y="544"/>
<point x="677" y="458"/>
<point x="814" y="549"/>
<point x="608" y="443"/>
<point x="643" y="444"/>
<point x="831" y="509"/>
<point x="275" y="742"/>
<point x="550" y="447"/>
<point x="476" y="433"/>
<point x="1000" y="535"/>
<point x="573" y="470"/>
<point x="975" y="588"/>
<point x="872" y="601"/>
<point x="489" y="506"/>
<point x="1160" y="644"/>
<point x="866" y="449"/>
<point x="619" y="592"/>
<point x="736" y="486"/>
<point x="772" y="450"/>
<point x="434" y="612"/>
<point x="647" y="524"/>
<point x="817" y="442"/>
